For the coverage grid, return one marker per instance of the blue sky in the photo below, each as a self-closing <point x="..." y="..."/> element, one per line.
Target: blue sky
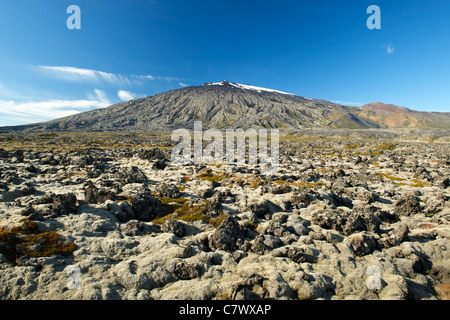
<point x="133" y="48"/>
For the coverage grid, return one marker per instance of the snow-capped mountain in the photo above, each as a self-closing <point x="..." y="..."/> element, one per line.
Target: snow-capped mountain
<point x="243" y="86"/>
<point x="228" y="105"/>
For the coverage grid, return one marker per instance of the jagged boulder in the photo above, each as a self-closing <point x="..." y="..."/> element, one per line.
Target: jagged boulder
<point x="94" y="195"/>
<point x="226" y="235"/>
<point x="65" y="203"/>
<point x="176" y="227"/>
<point x="361" y="218"/>
<point x="168" y="190"/>
<point x="407" y="205"/>
<point x="146" y="207"/>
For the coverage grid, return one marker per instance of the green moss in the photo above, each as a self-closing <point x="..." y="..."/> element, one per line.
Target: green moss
<point x="166" y="200"/>
<point x="208" y="175"/>
<point x="215" y="222"/>
<point x="417" y="183"/>
<point x="387" y="146"/>
<point x="352" y="146"/>
<point x="304" y="184"/>
<point x="377" y="153"/>
<point x="390" y="177"/>
<point x="45" y="244"/>
<point x="29" y="240"/>
<point x="420" y="183"/>
<point x="27" y="227"/>
<point x="189" y="212"/>
<point x="171" y="205"/>
<point x="311" y="185"/>
<point x="192" y="212"/>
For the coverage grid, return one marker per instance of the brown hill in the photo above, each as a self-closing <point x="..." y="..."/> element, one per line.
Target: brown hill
<point x="392" y="116"/>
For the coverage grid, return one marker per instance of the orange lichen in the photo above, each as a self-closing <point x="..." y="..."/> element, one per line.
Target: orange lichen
<point x="443" y="291"/>
<point x="28" y="240"/>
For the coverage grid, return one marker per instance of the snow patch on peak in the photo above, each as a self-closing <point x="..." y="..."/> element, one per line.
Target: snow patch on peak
<point x="246" y="87"/>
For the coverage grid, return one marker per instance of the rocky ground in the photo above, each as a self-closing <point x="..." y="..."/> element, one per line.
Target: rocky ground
<point x="340" y="220"/>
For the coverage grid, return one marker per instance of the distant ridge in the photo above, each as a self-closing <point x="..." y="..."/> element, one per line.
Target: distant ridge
<point x="231" y="105"/>
<point x="392" y="116"/>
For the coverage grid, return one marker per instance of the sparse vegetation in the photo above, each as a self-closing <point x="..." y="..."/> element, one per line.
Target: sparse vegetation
<point x="73" y="141"/>
<point x="208" y="175"/>
<point x="432" y="139"/>
<point x="377" y="153"/>
<point x="417" y="183"/>
<point x="386" y="146"/>
<point x="352" y="146"/>
<point x="29" y="240"/>
<point x="171" y="205"/>
<point x="390" y="177"/>
<point x="184" y="209"/>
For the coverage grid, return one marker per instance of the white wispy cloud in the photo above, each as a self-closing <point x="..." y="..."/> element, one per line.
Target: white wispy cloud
<point x="390" y="48"/>
<point x="168" y="79"/>
<point x="25" y="104"/>
<point x="161" y="78"/>
<point x="125" y="95"/>
<point x="99" y="96"/>
<point x="74" y="74"/>
<point x="85" y="75"/>
<point x="145" y="77"/>
<point x="19" y="112"/>
<point x="182" y="84"/>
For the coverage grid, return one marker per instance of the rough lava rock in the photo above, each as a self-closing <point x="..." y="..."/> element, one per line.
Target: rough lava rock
<point x="226" y="235"/>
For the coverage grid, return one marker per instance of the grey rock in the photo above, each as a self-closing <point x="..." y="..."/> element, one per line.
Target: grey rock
<point x="168" y="190"/>
<point x="184" y="270"/>
<point x="159" y="165"/>
<point x="301" y="254"/>
<point x="65" y="203"/>
<point x="281" y="189"/>
<point x="214" y="207"/>
<point x="396" y="289"/>
<point x="401" y="232"/>
<point x="303" y="198"/>
<point x="95" y="195"/>
<point x="444" y="183"/>
<point x="277" y="226"/>
<point x="138" y="228"/>
<point x="365" y="195"/>
<point x="244" y="290"/>
<point x="407" y="205"/>
<point x="260" y="208"/>
<point x="118" y="211"/>
<point x="258" y="246"/>
<point x="317" y="236"/>
<point x="226" y="235"/>
<point x="176" y="227"/>
<point x="362" y="243"/>
<point x="152" y="154"/>
<point x="360" y="219"/>
<point x="312" y="286"/>
<point x="205" y="192"/>
<point x="276" y="287"/>
<point x="129" y="275"/>
<point x="146" y="207"/>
